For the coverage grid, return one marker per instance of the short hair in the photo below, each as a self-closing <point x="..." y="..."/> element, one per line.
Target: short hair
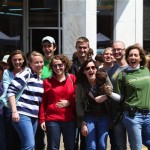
<point x="107" y="48"/>
<point x="118" y="42"/>
<point x="141" y="53"/>
<point x="90" y="51"/>
<point x="13" y="53"/>
<point x="99" y="58"/>
<point x="101" y="76"/>
<point x="33" y="54"/>
<point x="82" y="40"/>
<point x="65" y="60"/>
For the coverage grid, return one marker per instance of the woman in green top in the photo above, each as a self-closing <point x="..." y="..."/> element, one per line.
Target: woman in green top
<point x="136" y="91"/>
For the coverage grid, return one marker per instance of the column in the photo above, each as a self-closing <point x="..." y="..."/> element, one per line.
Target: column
<point x="128" y="21"/>
<point x="79" y="19"/>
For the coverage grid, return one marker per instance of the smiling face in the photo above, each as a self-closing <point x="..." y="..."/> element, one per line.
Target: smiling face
<point x="37" y="64"/>
<point x="118" y="50"/>
<point x="82" y="49"/>
<point x="17" y="61"/>
<point x="90" y="71"/>
<point x="48" y="49"/>
<point x="134" y="58"/>
<point x="108" y="56"/>
<point x="58" y="67"/>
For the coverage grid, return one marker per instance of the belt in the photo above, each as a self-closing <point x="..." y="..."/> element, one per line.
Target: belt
<point x="135" y="110"/>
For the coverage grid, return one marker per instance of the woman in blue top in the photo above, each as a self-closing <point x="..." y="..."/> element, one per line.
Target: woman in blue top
<point x="16" y="63"/>
<point x="25" y="111"/>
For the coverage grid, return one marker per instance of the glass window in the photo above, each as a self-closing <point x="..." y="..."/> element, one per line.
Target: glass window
<point x="43" y="13"/>
<point x="105" y="17"/>
<point x="10" y="26"/>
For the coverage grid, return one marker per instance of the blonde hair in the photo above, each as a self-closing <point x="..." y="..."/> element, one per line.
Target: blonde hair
<point x="82" y="40"/>
<point x="33" y="54"/>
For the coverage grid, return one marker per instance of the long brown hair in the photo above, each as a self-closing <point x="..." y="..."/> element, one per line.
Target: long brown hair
<point x="9" y="61"/>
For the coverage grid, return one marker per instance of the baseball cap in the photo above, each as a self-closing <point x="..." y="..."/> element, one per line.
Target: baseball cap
<point x="4" y="60"/>
<point x="49" y="39"/>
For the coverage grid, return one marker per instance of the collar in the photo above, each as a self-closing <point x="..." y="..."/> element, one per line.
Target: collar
<point x="130" y="68"/>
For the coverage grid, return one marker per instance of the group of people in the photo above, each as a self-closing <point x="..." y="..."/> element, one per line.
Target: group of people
<point x="83" y="99"/>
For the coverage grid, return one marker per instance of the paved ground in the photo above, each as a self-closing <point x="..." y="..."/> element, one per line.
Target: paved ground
<point x="108" y="147"/>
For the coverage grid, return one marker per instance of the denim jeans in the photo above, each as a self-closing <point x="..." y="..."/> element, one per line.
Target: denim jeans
<point x="12" y="138"/>
<point x="97" y="132"/>
<point x="40" y="139"/>
<point x="2" y="133"/>
<point x="54" y="130"/>
<point x="26" y="129"/>
<point x="121" y="142"/>
<point x="81" y="142"/>
<point x="138" y="129"/>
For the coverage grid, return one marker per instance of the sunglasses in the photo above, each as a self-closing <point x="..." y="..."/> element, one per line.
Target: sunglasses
<point x="91" y="67"/>
<point x="58" y="65"/>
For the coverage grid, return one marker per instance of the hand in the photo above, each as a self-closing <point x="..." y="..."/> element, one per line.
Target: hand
<point x="101" y="98"/>
<point x="63" y="103"/>
<point x="15" y="116"/>
<point x="84" y="130"/>
<point x="43" y="126"/>
<point x="107" y="89"/>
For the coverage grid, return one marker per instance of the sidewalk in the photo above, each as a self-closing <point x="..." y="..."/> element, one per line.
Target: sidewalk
<point x="108" y="145"/>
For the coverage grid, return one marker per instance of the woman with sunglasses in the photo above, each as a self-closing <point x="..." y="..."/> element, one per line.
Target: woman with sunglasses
<point x="57" y="111"/>
<point x="91" y="107"/>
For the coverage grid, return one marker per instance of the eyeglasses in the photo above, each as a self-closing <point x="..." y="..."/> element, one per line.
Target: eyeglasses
<point x="117" y="49"/>
<point x="91" y="67"/>
<point x="58" y="65"/>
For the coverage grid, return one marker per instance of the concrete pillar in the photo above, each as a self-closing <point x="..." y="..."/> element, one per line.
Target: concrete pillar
<point x="79" y="19"/>
<point x="128" y="21"/>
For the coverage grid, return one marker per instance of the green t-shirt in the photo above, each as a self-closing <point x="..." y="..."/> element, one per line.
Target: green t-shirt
<point x="46" y="71"/>
<point x="137" y="88"/>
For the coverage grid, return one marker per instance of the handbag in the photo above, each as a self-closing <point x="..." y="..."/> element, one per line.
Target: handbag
<point x="5" y="100"/>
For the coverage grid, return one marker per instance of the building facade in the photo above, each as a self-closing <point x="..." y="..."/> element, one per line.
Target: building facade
<point x="25" y="22"/>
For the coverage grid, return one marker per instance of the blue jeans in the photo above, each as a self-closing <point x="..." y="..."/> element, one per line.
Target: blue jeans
<point x="54" y="130"/>
<point x="12" y="138"/>
<point x="97" y="132"/>
<point x="121" y="142"/>
<point x="26" y="129"/>
<point x="138" y="129"/>
<point x="2" y="133"/>
<point x="40" y="139"/>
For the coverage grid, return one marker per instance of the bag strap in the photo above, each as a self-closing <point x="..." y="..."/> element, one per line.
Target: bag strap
<point x="70" y="78"/>
<point x="22" y="89"/>
<point x="123" y="89"/>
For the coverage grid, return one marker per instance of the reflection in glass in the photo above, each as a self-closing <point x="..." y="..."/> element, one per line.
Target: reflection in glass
<point x="43" y="13"/>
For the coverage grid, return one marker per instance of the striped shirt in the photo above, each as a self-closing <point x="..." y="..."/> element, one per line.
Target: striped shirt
<point x="29" y="101"/>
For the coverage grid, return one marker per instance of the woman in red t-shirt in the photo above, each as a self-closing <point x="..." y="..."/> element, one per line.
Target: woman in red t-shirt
<point x="57" y="111"/>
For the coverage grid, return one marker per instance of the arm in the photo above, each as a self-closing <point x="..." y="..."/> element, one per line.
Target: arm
<point x="15" y="115"/>
<point x="7" y="78"/>
<point x="44" y="105"/>
<point x="79" y="104"/>
<point x="70" y="101"/>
